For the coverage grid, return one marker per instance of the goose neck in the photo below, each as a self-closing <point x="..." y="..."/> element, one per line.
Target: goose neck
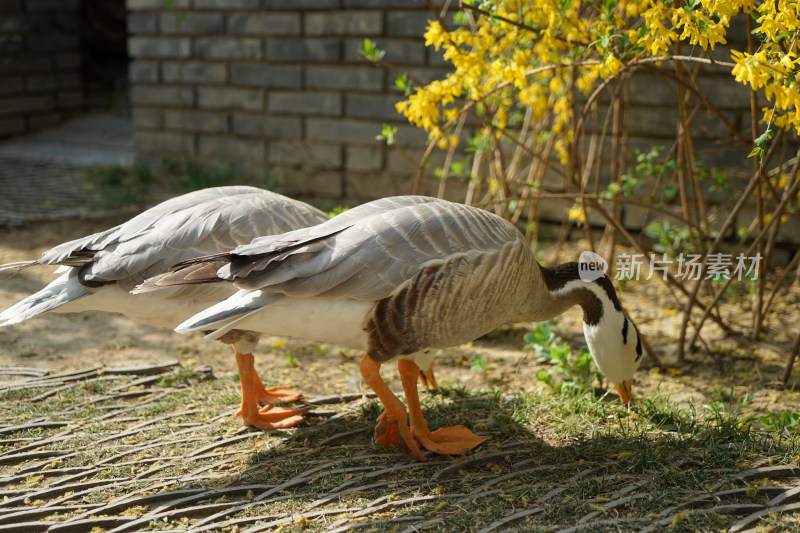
<point x="560" y="287"/>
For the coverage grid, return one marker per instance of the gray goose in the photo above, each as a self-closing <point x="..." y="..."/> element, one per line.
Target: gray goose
<point x="398" y="278"/>
<point x="98" y="272"/>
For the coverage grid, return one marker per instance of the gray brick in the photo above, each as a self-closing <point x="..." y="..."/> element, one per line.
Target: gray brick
<point x="12" y="126"/>
<point x="382" y="3"/>
<point x="265" y="24"/>
<point x="23" y="104"/>
<point x="11" y="85"/>
<point x="398" y="164"/>
<point x="327" y="156"/>
<point x="144" y="118"/>
<point x="194" y="72"/>
<point x="361" y="159"/>
<point x="344" y="23"/>
<point x="233" y="150"/>
<point x="408" y="135"/>
<point x="408" y="23"/>
<point x="375" y="106"/>
<point x="163" y="142"/>
<point x="268" y="126"/>
<point x="52" y="5"/>
<point x="304" y="50"/>
<point x="143" y="71"/>
<point x="305" y="103"/>
<point x="230" y="98"/>
<point x="398" y="51"/>
<point x="726" y="93"/>
<point x="141" y="47"/>
<point x="142" y="23"/>
<point x="425" y="75"/>
<point x="303" y="4"/>
<point x="293" y="181"/>
<point x="266" y="75"/>
<point x="40" y="83"/>
<point x="344" y="131"/>
<point x="162" y="95"/>
<point x="227" y="4"/>
<point x="348" y="78"/>
<point x="362" y="187"/>
<point x="68" y="60"/>
<point x="192" y="23"/>
<point x="228" y="48"/>
<point x="198" y="121"/>
<point x="139" y="5"/>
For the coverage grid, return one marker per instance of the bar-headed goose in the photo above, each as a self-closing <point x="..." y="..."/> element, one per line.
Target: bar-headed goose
<point x="98" y="271"/>
<point x="399" y="277"/>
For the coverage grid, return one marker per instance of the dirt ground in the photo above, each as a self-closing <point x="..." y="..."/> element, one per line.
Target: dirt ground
<point x="61" y="342"/>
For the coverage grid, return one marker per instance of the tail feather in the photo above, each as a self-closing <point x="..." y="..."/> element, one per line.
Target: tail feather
<point x="223" y="316"/>
<point x="18" y="265"/>
<point x="188" y="274"/>
<point x="61" y="291"/>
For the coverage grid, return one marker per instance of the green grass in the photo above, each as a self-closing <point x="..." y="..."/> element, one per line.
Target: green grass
<point x="583" y="448"/>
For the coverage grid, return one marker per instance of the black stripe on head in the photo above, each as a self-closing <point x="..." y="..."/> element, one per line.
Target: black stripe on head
<point x="625" y="331"/>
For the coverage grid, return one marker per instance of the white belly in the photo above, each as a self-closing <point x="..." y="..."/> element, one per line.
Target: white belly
<point x="165" y="308"/>
<point x="329" y="321"/>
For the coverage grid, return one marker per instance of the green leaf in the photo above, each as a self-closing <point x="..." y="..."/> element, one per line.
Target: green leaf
<point x="370" y="51"/>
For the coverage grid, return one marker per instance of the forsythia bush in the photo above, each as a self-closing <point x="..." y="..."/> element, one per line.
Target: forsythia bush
<point x="511" y="54"/>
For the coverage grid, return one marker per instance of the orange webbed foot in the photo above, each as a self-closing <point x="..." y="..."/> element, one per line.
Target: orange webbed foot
<point x="276" y="395"/>
<point x="453" y="440"/>
<point x="391" y="430"/>
<point x="273" y="418"/>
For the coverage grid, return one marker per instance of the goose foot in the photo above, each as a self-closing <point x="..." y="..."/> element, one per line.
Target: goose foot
<point x="273" y="418"/>
<point x="391" y="430"/>
<point x="454" y="440"/>
<point x="253" y="391"/>
<point x="274" y="395"/>
<point x="392" y="427"/>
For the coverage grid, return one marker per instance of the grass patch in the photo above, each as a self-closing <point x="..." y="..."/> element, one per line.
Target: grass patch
<point x="574" y="456"/>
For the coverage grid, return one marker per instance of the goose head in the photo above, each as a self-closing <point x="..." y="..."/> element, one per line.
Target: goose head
<point x="611" y="336"/>
<point x="616" y="349"/>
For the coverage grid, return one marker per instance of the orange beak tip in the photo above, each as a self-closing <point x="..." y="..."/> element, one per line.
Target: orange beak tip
<point x="624" y="391"/>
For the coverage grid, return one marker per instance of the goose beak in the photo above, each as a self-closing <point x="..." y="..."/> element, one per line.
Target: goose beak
<point x="624" y="391"/>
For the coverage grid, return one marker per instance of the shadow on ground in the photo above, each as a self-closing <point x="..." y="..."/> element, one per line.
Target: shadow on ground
<point x="158" y="448"/>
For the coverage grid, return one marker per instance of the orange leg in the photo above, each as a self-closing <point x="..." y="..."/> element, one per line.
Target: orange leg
<point x="392" y="425"/>
<point x="454" y="440"/>
<point x="427" y="378"/>
<point x="269" y="417"/>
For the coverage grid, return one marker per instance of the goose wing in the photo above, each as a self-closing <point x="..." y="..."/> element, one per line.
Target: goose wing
<point x="365" y="255"/>
<point x="197" y="223"/>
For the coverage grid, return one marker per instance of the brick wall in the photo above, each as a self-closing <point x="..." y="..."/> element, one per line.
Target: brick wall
<point x="277" y="88"/>
<point x="40" y="63"/>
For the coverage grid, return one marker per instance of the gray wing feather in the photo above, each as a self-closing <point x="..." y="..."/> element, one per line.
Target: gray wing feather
<point x="198" y="223"/>
<point x="370" y="256"/>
